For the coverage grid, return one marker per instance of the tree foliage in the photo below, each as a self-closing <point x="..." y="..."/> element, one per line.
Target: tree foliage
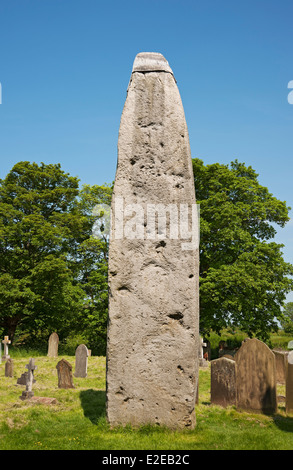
<point x="243" y="276"/>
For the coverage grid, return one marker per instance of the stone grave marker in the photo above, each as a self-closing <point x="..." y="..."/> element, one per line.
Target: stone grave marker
<point x="223" y="382"/>
<point x="5" y="342"/>
<point x="64" y="370"/>
<point x="281" y="365"/>
<point x="9" y="368"/>
<point x="81" y="361"/>
<point x="53" y="345"/>
<point x="152" y="348"/>
<point x="256" y="377"/>
<point x="202" y="362"/>
<point x="290" y="345"/>
<point x="289" y="385"/>
<point x="28" y="393"/>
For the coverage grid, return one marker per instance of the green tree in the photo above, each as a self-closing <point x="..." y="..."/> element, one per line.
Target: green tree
<point x="287" y="320"/>
<point x="41" y="227"/>
<point x="92" y="263"/>
<point x="243" y="276"/>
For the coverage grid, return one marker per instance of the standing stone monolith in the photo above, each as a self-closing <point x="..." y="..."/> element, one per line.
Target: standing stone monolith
<point x="256" y="388"/>
<point x="152" y="347"/>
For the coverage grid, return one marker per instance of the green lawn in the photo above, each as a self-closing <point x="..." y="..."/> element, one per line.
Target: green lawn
<point x="78" y="421"/>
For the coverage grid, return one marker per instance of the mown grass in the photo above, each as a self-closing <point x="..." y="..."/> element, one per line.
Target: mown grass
<point x="78" y="421"/>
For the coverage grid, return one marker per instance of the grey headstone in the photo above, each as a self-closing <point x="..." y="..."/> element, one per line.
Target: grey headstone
<point x="9" y="368"/>
<point x="256" y="377"/>
<point x="223" y="382"/>
<point x="53" y="345"/>
<point x="28" y="393"/>
<point x="152" y="348"/>
<point x="81" y="360"/>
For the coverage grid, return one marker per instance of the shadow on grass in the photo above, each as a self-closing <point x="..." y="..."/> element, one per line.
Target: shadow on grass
<point x="284" y="423"/>
<point x="93" y="403"/>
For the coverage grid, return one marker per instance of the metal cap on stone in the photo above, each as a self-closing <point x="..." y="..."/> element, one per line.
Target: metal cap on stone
<point x="151" y="62"/>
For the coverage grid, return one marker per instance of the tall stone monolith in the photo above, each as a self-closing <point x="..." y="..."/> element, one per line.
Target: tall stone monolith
<point x="152" y="348"/>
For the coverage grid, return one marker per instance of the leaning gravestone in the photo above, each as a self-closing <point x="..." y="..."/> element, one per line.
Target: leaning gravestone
<point x="64" y="370"/>
<point x="81" y="360"/>
<point x="152" y="348"/>
<point x="53" y="345"/>
<point x="256" y="377"/>
<point x="289" y="384"/>
<point x="223" y="382"/>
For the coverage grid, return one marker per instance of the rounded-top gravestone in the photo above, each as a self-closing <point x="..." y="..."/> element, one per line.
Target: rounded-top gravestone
<point x="53" y="345"/>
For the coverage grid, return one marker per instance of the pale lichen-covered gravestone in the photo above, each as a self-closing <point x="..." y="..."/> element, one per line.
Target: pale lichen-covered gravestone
<point x="28" y="393"/>
<point x="64" y="370"/>
<point x="152" y="347"/>
<point x="9" y="368"/>
<point x="289" y="385"/>
<point x="256" y="377"/>
<point x="81" y="361"/>
<point x="53" y="345"/>
<point x="223" y="382"/>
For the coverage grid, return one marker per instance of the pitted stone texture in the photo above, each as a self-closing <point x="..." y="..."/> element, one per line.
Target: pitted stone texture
<point x="152" y="348"/>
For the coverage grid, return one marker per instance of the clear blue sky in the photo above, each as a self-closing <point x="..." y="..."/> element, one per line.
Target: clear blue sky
<point x="65" y="67"/>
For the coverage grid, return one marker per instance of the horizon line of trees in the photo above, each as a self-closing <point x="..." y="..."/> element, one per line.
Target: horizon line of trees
<point x="53" y="271"/>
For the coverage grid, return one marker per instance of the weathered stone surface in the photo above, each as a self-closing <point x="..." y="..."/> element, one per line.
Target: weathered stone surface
<point x="64" y="370"/>
<point x="152" y="348"/>
<point x="53" y="345"/>
<point x="289" y="385"/>
<point x="256" y="377"/>
<point x="81" y="360"/>
<point x="28" y="393"/>
<point x="223" y="382"/>
<point x="281" y="365"/>
<point x="9" y="368"/>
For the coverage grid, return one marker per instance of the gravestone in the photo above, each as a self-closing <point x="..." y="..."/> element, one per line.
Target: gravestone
<point x="64" y="370"/>
<point x="22" y="380"/>
<point x="281" y="365"/>
<point x="28" y="393"/>
<point x="223" y="382"/>
<point x="256" y="377"/>
<point x="289" y="385"/>
<point x="152" y="347"/>
<point x="9" y="368"/>
<point x="202" y="362"/>
<point x="81" y="360"/>
<point x="5" y="342"/>
<point x="53" y="345"/>
<point x="290" y="345"/>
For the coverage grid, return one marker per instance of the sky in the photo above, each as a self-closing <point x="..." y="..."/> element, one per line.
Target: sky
<point x="65" y="67"/>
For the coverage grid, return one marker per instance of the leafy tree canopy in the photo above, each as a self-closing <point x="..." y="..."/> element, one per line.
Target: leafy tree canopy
<point x="243" y="276"/>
